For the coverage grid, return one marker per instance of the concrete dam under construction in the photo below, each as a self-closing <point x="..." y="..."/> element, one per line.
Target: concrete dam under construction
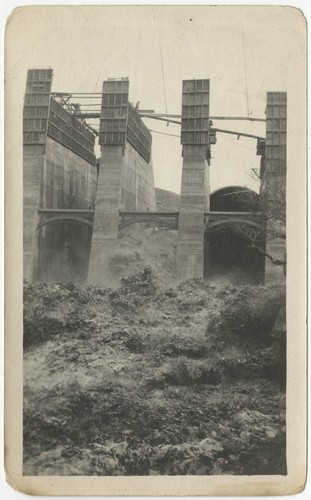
<point x="76" y="204"/>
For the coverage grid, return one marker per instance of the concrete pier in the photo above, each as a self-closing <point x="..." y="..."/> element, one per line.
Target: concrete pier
<point x="274" y="179"/>
<point x="194" y="202"/>
<point x="195" y="127"/>
<point x="125" y="180"/>
<point x="33" y="166"/>
<point x="106" y="217"/>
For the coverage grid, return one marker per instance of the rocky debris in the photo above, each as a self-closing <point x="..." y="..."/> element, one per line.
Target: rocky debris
<point x="250" y="311"/>
<point x="130" y="382"/>
<point x="136" y="250"/>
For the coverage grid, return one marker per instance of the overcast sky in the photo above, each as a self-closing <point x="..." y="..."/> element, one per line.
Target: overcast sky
<point x="243" y="52"/>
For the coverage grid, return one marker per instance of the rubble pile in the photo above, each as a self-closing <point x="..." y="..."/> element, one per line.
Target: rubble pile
<point x="153" y="380"/>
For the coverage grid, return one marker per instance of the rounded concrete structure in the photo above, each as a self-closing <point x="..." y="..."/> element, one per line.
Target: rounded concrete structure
<point x="229" y="252"/>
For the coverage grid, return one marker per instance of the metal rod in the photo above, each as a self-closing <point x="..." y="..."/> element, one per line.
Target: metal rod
<point x="97" y="115"/>
<point x="166" y="116"/>
<point x="149" y="212"/>
<point x="256" y="214"/>
<point x="242" y="134"/>
<point x="87" y="115"/>
<point x="156" y="115"/>
<point x="168" y="120"/>
<point x="237" y="118"/>
<point x="234" y="118"/>
<point x="76" y="93"/>
<point x="65" y="210"/>
<point x="97" y="104"/>
<point x="77" y="97"/>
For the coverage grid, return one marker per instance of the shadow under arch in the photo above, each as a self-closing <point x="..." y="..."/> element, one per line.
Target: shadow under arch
<point x="229" y="254"/>
<point x="64" y="244"/>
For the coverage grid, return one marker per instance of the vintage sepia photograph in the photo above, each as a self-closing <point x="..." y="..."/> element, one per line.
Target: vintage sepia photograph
<point x="156" y="147"/>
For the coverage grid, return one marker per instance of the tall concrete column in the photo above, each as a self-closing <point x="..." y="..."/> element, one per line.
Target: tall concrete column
<point x="106" y="218"/>
<point x="195" y="178"/>
<point x="112" y="139"/>
<point x="33" y="165"/>
<point x="35" y="123"/>
<point x="274" y="178"/>
<point x="194" y="202"/>
<point x="125" y="178"/>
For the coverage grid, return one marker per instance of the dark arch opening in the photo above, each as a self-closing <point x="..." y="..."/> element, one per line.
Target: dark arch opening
<point x="64" y="250"/>
<point x="229" y="254"/>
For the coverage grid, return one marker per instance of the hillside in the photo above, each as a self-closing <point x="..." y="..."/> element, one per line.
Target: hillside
<point x="167" y="200"/>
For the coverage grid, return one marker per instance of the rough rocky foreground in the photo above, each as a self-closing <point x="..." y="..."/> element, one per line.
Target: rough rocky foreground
<point x="147" y="380"/>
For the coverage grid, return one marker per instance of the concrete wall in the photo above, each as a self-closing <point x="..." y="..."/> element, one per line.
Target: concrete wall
<point x="137" y="183"/>
<point x="193" y="203"/>
<point x="33" y="166"/>
<point x="69" y="181"/>
<point x="125" y="182"/>
<point x="56" y="178"/>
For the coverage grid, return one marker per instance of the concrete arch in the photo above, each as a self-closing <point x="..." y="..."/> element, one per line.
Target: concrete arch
<point x="234" y="199"/>
<point x="161" y="222"/>
<point x="221" y="224"/>
<point x="233" y="187"/>
<point x="228" y="252"/>
<point x="82" y="220"/>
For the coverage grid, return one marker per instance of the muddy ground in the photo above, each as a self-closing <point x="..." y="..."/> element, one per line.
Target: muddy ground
<point x="148" y="379"/>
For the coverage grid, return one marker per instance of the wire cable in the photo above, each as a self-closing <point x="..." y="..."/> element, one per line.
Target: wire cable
<point x="245" y="74"/>
<point x="105" y="56"/>
<point x="163" y="79"/>
<point x="139" y="41"/>
<point x="163" y="133"/>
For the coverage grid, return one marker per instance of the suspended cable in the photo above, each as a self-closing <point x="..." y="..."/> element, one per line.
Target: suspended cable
<point x="163" y="79"/>
<point x="105" y="55"/>
<point x="139" y="40"/>
<point x="245" y="74"/>
<point x="163" y="133"/>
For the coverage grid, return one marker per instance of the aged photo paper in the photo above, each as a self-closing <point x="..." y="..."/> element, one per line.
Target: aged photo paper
<point x="155" y="267"/>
